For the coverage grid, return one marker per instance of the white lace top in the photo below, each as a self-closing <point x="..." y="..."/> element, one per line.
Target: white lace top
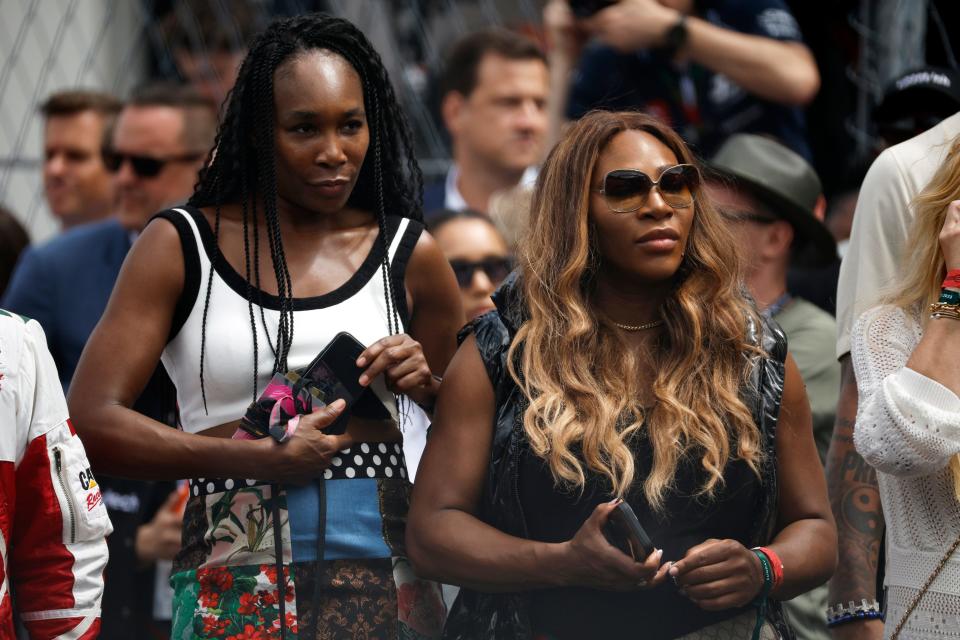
<point x="908" y="428"/>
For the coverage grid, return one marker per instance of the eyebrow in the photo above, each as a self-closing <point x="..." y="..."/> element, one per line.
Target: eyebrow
<point x="349" y="113"/>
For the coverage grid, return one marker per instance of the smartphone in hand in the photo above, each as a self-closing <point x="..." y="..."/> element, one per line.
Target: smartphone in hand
<point x="623" y="531"/>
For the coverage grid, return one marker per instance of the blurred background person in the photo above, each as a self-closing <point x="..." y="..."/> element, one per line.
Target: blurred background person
<point x="710" y="70"/>
<point x="76" y="183"/>
<point x="494" y="88"/>
<point x="13" y="240"/>
<point x="478" y="254"/>
<point x="916" y="101"/>
<point x="208" y="40"/>
<point x="158" y="145"/>
<point x="769" y="194"/>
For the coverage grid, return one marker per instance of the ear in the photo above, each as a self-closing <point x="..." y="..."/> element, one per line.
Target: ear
<point x="820" y="208"/>
<point x="451" y="109"/>
<point x="778" y="237"/>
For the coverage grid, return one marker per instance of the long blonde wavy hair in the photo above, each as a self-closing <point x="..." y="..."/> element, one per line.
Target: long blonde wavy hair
<point x="578" y="373"/>
<point x="922" y="263"/>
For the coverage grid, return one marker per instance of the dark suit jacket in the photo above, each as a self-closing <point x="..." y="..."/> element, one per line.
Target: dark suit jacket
<point x="65" y="285"/>
<point x="434" y="197"/>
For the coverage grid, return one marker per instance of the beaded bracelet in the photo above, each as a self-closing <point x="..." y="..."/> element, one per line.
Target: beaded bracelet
<point x="840" y="614"/>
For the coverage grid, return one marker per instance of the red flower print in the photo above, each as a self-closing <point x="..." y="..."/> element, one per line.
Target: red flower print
<point x="214" y="628"/>
<point x="291" y="625"/>
<point x="267" y="598"/>
<point x="250" y="633"/>
<point x="213" y="583"/>
<point x="248" y="604"/>
<point x="420" y="607"/>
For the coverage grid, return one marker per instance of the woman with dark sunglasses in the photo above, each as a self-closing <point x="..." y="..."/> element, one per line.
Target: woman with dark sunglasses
<point x="478" y="254"/>
<point x="305" y="223"/>
<point x="623" y="365"/>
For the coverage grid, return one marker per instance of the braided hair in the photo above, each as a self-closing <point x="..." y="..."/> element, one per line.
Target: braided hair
<point x="242" y="168"/>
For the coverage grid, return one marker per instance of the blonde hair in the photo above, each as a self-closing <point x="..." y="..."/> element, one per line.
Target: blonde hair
<point x="922" y="262"/>
<point x="578" y="373"/>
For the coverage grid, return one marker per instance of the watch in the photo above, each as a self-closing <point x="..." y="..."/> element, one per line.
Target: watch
<point x="676" y="36"/>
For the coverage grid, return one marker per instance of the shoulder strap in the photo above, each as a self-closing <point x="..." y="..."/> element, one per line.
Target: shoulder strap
<point x="192" y="270"/>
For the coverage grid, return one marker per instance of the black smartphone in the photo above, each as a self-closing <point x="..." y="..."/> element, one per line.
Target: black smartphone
<point x="336" y="374"/>
<point x="586" y="8"/>
<point x="623" y="531"/>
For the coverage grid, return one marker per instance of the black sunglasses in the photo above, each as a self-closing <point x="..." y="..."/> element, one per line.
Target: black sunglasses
<point x="143" y="166"/>
<point x="627" y="190"/>
<point x="496" y="269"/>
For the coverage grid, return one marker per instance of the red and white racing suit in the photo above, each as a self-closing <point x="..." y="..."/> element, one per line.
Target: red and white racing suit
<point x="53" y="522"/>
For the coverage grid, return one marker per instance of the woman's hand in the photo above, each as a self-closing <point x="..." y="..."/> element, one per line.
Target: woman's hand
<point x="308" y="451"/>
<point x="950" y="236"/>
<point x="593" y="562"/>
<point x="719" y="574"/>
<point x="400" y="359"/>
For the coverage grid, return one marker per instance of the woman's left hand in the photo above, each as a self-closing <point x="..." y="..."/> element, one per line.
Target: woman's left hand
<point x="400" y="359"/>
<point x="719" y="574"/>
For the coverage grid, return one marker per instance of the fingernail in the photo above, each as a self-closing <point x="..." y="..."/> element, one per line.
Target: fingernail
<point x="363" y="380"/>
<point x="338" y="404"/>
<point x="673" y="570"/>
<point x="659" y="554"/>
<point x="361" y="361"/>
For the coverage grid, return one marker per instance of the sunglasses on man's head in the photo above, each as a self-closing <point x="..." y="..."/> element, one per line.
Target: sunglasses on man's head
<point x="627" y="190"/>
<point x="496" y="269"/>
<point x="143" y="166"/>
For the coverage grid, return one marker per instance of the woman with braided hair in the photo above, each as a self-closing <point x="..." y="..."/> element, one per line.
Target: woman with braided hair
<point x="313" y="165"/>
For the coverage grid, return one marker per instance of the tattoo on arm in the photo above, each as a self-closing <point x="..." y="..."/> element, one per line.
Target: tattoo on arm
<point x="855" y="500"/>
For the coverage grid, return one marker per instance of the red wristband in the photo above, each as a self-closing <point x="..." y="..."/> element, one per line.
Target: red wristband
<point x="952" y="280"/>
<point x="775" y="564"/>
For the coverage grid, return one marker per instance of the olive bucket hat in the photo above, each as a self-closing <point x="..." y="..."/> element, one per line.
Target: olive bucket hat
<point x="785" y="182"/>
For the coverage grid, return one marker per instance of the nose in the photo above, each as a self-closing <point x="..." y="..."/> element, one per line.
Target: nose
<point x="55" y="165"/>
<point x="480" y="284"/>
<point x="331" y="153"/>
<point x="125" y="174"/>
<point x="656" y="206"/>
<point x="531" y="116"/>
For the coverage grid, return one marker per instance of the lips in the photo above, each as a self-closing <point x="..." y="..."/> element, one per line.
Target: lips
<point x="331" y="188"/>
<point x="664" y="239"/>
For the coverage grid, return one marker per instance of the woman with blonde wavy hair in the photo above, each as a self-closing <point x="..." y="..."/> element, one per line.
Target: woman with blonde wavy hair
<point x="905" y="354"/>
<point x="623" y="364"/>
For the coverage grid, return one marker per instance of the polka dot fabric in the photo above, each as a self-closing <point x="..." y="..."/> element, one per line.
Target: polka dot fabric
<point x="363" y="460"/>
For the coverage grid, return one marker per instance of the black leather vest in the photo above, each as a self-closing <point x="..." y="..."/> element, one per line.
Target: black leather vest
<point x="503" y="615"/>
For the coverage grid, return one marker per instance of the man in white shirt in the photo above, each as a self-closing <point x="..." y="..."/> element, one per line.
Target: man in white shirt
<point x="493" y="101"/>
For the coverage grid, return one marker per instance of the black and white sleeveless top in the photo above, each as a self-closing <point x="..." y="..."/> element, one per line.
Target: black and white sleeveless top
<point x="358" y="306"/>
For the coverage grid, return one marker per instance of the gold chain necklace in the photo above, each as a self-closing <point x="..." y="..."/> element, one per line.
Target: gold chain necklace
<point x="639" y="327"/>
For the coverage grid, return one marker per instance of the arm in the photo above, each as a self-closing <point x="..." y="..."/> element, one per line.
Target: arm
<point x="57" y="550"/>
<point x="855" y="501"/>
<point x="775" y="70"/>
<point x="409" y="362"/>
<point x="118" y="360"/>
<point x="907" y="422"/>
<point x="720" y="574"/>
<point x="446" y="539"/>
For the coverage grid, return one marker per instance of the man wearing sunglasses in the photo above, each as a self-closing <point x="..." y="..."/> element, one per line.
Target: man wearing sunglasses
<point x="158" y="144"/>
<point x="769" y="194"/>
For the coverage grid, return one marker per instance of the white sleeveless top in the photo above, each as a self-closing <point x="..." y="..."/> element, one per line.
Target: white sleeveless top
<point x="358" y="307"/>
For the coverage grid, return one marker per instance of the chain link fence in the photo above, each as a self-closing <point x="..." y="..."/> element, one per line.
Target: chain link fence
<point x="115" y="45"/>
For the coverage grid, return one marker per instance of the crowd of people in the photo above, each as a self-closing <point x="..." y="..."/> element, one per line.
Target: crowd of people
<point x="625" y="366"/>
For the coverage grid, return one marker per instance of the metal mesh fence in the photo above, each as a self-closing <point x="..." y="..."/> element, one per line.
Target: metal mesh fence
<point x="52" y="45"/>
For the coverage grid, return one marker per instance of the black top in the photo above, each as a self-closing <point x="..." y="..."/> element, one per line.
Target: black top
<point x="554" y="514"/>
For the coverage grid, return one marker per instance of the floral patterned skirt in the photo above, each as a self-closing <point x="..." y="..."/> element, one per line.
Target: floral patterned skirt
<point x="350" y="580"/>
